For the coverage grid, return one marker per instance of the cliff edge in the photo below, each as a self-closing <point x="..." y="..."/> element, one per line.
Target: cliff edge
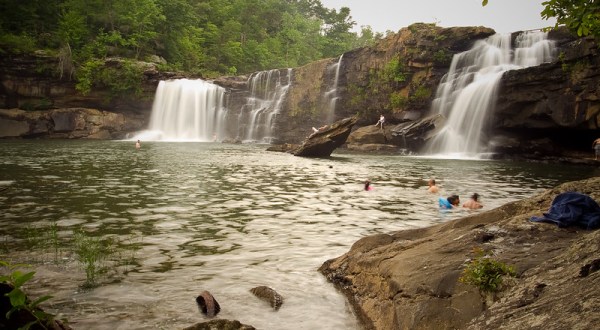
<point x="410" y="279"/>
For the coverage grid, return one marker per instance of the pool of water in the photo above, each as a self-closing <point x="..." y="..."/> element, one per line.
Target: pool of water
<point x="223" y="218"/>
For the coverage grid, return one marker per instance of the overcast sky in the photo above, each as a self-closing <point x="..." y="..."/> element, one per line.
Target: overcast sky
<point x="501" y="15"/>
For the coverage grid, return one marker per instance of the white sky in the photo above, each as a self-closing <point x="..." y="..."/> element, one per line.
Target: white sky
<point x="501" y="15"/>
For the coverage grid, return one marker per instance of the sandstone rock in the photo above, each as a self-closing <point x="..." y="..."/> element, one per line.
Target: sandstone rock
<point x="207" y="304"/>
<point x="325" y="141"/>
<point x="220" y="325"/>
<point x="13" y="128"/>
<point x="409" y="279"/>
<point x="269" y="295"/>
<point x="66" y="123"/>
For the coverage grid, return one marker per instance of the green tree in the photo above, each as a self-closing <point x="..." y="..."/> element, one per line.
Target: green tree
<point x="580" y="16"/>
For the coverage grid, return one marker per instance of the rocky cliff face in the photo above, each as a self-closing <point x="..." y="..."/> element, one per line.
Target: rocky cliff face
<point x="552" y="108"/>
<point x="410" y="279"/>
<point x="396" y="77"/>
<point x="33" y="90"/>
<point x="549" y="110"/>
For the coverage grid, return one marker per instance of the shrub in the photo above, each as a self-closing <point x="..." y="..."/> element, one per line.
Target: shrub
<point x="485" y="272"/>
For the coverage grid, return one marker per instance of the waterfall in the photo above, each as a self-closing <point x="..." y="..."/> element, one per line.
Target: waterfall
<point x="186" y="110"/>
<point x="196" y="110"/>
<point x="267" y="93"/>
<point x="331" y="96"/>
<point x="466" y="95"/>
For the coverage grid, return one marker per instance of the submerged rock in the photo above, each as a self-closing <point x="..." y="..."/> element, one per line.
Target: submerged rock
<point x="220" y="325"/>
<point x="269" y="295"/>
<point x="207" y="304"/>
<point x="410" y="279"/>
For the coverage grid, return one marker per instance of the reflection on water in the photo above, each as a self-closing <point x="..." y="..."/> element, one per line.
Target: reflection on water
<point x="226" y="218"/>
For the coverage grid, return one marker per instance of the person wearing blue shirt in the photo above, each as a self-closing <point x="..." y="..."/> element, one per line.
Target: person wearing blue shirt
<point x="450" y="202"/>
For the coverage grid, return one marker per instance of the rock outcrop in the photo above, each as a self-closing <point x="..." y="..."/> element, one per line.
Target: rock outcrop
<point x="552" y="110"/>
<point x="74" y="123"/>
<point x="410" y="279"/>
<point x="323" y="142"/>
<point x="396" y="77"/>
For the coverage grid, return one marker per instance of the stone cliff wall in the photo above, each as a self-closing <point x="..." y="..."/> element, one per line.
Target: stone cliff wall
<point x="33" y="89"/>
<point x="396" y="77"/>
<point x="551" y="109"/>
<point x="554" y="107"/>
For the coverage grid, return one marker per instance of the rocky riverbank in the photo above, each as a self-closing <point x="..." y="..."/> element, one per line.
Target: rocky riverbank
<point x="410" y="279"/>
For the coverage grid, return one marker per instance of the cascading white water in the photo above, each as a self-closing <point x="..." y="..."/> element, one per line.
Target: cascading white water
<point x="186" y="110"/>
<point x="467" y="93"/>
<point x="331" y="96"/>
<point x="195" y="110"/>
<point x="268" y="90"/>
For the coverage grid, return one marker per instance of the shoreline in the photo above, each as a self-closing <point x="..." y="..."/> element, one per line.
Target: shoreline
<point x="410" y="279"/>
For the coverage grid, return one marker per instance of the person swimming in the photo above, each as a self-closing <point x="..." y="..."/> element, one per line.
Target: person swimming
<point x="368" y="185"/>
<point x="450" y="202"/>
<point x="432" y="187"/>
<point x="473" y="203"/>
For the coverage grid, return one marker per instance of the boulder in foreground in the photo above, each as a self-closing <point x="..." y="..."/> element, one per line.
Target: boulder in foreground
<point x="410" y="279"/>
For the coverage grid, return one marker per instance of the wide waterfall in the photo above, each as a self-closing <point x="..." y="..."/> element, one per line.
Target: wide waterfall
<point x="466" y="95"/>
<point x="331" y="96"/>
<point x="186" y="110"/>
<point x="197" y="110"/>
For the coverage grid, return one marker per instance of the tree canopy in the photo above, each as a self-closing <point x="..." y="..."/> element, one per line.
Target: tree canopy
<point x="209" y="37"/>
<point x="580" y="16"/>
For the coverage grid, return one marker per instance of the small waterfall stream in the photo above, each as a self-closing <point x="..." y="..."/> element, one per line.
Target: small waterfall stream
<point x="268" y="90"/>
<point x="331" y="96"/>
<point x="467" y="93"/>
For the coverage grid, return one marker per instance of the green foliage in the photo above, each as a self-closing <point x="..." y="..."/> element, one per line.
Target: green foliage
<point x="442" y="56"/>
<point x="397" y="100"/>
<point x="486" y="273"/>
<point x="421" y="94"/>
<point x="17" y="44"/>
<point x="211" y="37"/>
<point x="120" y="78"/>
<point x="580" y="16"/>
<point x="18" y="298"/>
<point x="394" y="71"/>
<point x="93" y="253"/>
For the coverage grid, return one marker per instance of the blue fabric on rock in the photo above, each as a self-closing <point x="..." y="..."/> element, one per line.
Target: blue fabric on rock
<point x="444" y="204"/>
<point x="572" y="209"/>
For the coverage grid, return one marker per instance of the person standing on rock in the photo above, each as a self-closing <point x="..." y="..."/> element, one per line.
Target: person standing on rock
<point x="381" y="121"/>
<point x="596" y="147"/>
<point x="138" y="145"/>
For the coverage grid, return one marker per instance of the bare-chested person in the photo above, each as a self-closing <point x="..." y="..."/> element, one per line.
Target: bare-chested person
<point x="432" y="187"/>
<point x="473" y="203"/>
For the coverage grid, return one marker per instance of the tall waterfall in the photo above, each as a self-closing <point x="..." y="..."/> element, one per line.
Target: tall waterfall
<point x="331" y="96"/>
<point x="187" y="110"/>
<point x="268" y="90"/>
<point x="466" y="95"/>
